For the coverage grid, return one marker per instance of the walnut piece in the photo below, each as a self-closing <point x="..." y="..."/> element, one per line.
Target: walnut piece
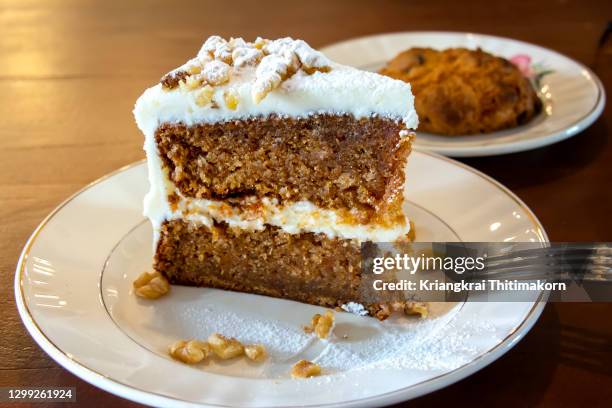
<point x="190" y="352"/>
<point x="225" y="347"/>
<point x="407" y="307"/>
<point x="324" y="324"/>
<point x="310" y="58"/>
<point x="255" y="352"/>
<point x="172" y="79"/>
<point x="216" y="72"/>
<point x="224" y="53"/>
<point x="260" y="43"/>
<point x="194" y="69"/>
<point x="151" y="285"/>
<point x="275" y="61"/>
<point x="246" y="56"/>
<point x="305" y="369"/>
<point x="190" y="83"/>
<point x="321" y="324"/>
<point x="416" y="308"/>
<point x="205" y="96"/>
<point x="211" y="45"/>
<point x="271" y="72"/>
<point x="231" y="98"/>
<point x="312" y="70"/>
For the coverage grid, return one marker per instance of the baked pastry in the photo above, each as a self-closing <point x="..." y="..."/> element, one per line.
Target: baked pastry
<point x="270" y="165"/>
<point x="461" y="92"/>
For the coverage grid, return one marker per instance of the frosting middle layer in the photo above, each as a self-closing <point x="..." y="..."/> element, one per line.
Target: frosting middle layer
<point x="293" y="218"/>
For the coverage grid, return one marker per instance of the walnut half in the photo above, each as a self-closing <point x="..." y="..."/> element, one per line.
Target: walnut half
<point x="225" y="347"/>
<point x="190" y="352"/>
<point x="151" y="285"/>
<point x="321" y="324"/>
<point x="255" y="352"/>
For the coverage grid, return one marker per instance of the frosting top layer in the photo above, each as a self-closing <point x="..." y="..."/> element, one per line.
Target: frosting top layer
<point x="235" y="79"/>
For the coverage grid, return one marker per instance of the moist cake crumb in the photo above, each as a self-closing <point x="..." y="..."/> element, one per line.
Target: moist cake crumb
<point x="336" y="162"/>
<point x="306" y="267"/>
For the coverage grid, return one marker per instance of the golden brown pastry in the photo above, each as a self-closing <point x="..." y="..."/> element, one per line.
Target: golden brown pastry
<point x="459" y="91"/>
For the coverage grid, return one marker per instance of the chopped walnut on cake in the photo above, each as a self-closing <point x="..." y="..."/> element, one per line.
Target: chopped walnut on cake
<point x="273" y="62"/>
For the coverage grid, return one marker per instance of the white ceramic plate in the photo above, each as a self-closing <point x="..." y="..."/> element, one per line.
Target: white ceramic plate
<point x="572" y="94"/>
<point x="73" y="291"/>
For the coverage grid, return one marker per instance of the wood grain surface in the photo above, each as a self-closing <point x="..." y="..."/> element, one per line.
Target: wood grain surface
<point x="70" y="72"/>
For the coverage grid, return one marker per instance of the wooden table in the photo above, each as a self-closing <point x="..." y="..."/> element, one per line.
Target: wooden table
<point x="70" y="72"/>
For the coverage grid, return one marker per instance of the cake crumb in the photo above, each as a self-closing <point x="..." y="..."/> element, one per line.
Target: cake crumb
<point x="151" y="285"/>
<point x="383" y="312"/>
<point x="305" y="369"/>
<point x="412" y="232"/>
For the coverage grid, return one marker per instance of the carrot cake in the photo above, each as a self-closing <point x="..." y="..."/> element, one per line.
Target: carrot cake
<point x="270" y="166"/>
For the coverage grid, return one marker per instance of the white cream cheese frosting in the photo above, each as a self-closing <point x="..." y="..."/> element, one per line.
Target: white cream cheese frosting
<point x="343" y="90"/>
<point x="285" y="78"/>
<point x="338" y="90"/>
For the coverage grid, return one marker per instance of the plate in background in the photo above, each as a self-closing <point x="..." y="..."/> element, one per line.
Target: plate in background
<point x="572" y="95"/>
<point x="73" y="292"/>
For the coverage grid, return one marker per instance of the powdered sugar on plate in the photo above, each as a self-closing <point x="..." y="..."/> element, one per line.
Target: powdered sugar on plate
<point x="405" y="343"/>
<point x="357" y="342"/>
<point x="281" y="340"/>
<point x="452" y="336"/>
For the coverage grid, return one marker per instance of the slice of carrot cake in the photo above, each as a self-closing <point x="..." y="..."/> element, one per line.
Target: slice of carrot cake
<point x="270" y="165"/>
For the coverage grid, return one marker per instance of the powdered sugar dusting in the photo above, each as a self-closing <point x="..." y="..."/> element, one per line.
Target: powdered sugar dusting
<point x="358" y="342"/>
<point x="275" y="61"/>
<point x="270" y="73"/>
<point x="216" y="72"/>
<point x="245" y="55"/>
<point x="283" y="77"/>
<point x="355" y="308"/>
<point x="282" y="341"/>
<point x="431" y="344"/>
<point x="306" y="54"/>
<point x="211" y="45"/>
